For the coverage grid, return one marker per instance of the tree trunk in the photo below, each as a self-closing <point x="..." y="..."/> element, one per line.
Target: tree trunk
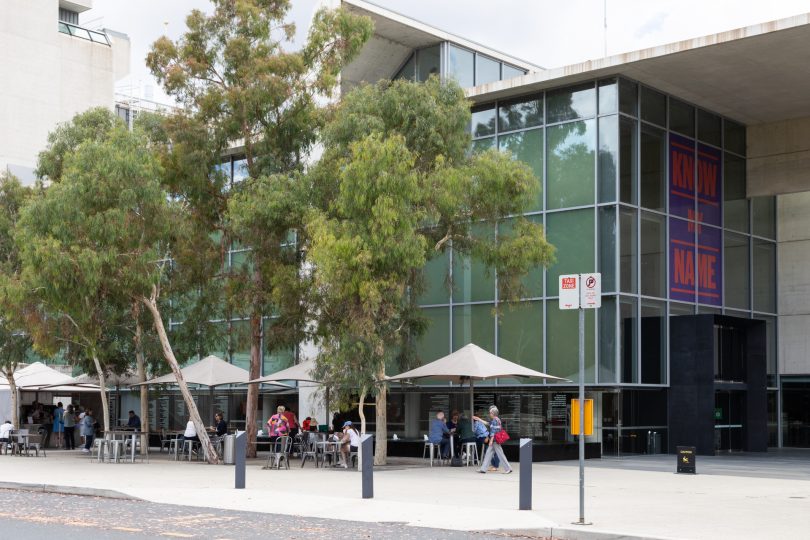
<point x="252" y="405"/>
<point x="168" y="354"/>
<point x="15" y="407"/>
<point x="361" y="412"/>
<point x="140" y="365"/>
<point x="102" y="390"/>
<point x="381" y="434"/>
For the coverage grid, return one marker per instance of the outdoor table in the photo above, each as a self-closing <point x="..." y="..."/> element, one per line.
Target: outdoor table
<point x="330" y="447"/>
<point x="123" y="434"/>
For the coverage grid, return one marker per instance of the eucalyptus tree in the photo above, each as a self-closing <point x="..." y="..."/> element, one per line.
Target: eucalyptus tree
<point x="95" y="243"/>
<point x="16" y="309"/>
<point x="397" y="186"/>
<point x="242" y="85"/>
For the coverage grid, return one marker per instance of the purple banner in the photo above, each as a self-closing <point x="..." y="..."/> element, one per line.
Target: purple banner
<point x="709" y="187"/>
<point x="709" y="265"/>
<point x="681" y="177"/>
<point x="695" y="268"/>
<point x="681" y="260"/>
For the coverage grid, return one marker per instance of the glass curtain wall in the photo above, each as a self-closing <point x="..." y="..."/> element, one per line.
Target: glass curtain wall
<point x="609" y="156"/>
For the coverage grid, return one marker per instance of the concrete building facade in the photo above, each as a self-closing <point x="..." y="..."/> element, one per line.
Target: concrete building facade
<point x="52" y="68"/>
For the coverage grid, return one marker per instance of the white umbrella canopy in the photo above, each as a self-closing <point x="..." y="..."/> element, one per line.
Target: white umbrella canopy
<point x="112" y="380"/>
<point x="302" y="372"/>
<point x="471" y="363"/>
<point x="38" y="375"/>
<point x="210" y="371"/>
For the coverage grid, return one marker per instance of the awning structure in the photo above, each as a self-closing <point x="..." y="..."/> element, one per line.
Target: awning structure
<point x="471" y="363"/>
<point x="38" y="376"/>
<point x="211" y="371"/>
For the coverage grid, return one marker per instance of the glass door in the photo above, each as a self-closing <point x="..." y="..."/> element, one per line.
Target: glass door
<point x="728" y="420"/>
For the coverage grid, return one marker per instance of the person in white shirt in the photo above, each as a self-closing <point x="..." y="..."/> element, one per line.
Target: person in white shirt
<point x="5" y="432"/>
<point x="191" y="432"/>
<point x="350" y="442"/>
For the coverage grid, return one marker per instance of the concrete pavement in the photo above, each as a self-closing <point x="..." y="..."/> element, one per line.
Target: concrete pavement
<point x="633" y="496"/>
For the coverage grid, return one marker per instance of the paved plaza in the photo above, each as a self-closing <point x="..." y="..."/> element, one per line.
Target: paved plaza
<point x="733" y="496"/>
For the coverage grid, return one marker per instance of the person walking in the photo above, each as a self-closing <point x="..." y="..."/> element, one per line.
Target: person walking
<point x="69" y="421"/>
<point x="494" y="448"/>
<point x="88" y="430"/>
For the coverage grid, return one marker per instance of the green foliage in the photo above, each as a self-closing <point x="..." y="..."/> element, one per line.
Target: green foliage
<point x="397" y="186"/>
<point x="89" y="243"/>
<point x="15" y="310"/>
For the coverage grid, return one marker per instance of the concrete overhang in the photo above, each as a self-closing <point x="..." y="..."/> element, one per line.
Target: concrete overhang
<point x="79" y="6"/>
<point x="395" y="36"/>
<point x="754" y="75"/>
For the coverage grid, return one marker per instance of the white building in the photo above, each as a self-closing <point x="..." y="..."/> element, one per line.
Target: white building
<point x="52" y="68"/>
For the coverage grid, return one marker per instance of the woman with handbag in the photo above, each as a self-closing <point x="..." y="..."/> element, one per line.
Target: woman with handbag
<point x="497" y="436"/>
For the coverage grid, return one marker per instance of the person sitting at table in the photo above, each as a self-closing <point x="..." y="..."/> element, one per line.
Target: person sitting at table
<point x="134" y="421"/>
<point x="278" y="426"/>
<point x="5" y="432"/>
<point x="349" y="443"/>
<point x="220" y="425"/>
<point x="306" y="423"/>
<point x="439" y="434"/>
<point x="452" y="425"/>
<point x="190" y="434"/>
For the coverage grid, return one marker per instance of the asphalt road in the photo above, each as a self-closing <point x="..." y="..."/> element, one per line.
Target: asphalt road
<point x="34" y="515"/>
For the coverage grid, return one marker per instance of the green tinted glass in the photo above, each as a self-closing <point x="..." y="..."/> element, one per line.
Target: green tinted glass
<point x="527" y="146"/>
<point x="562" y="335"/>
<point x="572" y="233"/>
<point x="570" y="171"/>
<point x="520" y="334"/>
<point x="474" y="324"/>
<point x="435" y="342"/>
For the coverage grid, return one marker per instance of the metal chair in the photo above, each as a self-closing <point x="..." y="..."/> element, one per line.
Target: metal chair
<point x="470" y="452"/>
<point x="20" y="442"/>
<point x="431" y="446"/>
<point x="101" y="448"/>
<point x="280" y="452"/>
<point x="309" y="450"/>
<point x="35" y="443"/>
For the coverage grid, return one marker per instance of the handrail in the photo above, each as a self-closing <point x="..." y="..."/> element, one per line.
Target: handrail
<point x="84" y="33"/>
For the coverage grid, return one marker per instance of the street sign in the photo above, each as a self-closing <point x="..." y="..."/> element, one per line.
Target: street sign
<point x="590" y="291"/>
<point x="569" y="291"/>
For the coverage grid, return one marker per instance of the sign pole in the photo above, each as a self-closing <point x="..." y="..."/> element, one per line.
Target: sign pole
<point x="581" y="292"/>
<point x="581" y="416"/>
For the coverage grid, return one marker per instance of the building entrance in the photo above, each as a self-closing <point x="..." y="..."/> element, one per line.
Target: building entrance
<point x="729" y="411"/>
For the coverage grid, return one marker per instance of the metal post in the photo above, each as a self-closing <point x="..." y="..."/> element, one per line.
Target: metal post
<point x="240" y="449"/>
<point x="367" y="455"/>
<point x="581" y="418"/>
<point x="525" y="474"/>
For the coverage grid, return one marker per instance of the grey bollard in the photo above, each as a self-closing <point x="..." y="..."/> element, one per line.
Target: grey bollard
<point x="525" y="474"/>
<point x="240" y="449"/>
<point x="367" y="443"/>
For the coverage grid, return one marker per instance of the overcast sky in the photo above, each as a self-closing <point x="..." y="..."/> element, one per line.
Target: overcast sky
<point x="544" y="32"/>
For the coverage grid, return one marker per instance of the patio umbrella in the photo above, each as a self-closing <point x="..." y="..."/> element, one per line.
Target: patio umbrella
<point x="471" y="363"/>
<point x="38" y="376"/>
<point x="302" y="372"/>
<point x="211" y="371"/>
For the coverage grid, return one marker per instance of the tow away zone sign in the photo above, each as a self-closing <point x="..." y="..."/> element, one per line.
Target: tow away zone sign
<point x="569" y="291"/>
